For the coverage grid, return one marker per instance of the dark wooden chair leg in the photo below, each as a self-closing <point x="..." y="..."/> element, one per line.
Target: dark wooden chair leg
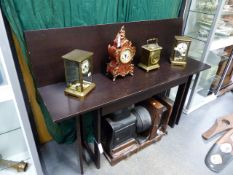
<point x="79" y="143"/>
<point x="179" y="102"/>
<point x="97" y="137"/>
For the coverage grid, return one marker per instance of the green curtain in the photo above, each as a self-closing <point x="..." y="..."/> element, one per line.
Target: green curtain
<point x="136" y="10"/>
<point x="43" y="14"/>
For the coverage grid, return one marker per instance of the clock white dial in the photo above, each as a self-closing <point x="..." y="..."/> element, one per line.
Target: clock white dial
<point x="182" y="48"/>
<point x="85" y="67"/>
<point x="125" y="56"/>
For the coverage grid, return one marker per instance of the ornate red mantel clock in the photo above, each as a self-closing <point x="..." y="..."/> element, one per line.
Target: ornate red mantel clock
<point x="121" y="55"/>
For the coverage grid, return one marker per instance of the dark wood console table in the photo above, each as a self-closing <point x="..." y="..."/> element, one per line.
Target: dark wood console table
<point x="45" y="48"/>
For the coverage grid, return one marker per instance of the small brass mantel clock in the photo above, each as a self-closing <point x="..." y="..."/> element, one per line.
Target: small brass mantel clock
<point x="180" y="50"/>
<point x="150" y="55"/>
<point x="78" y="72"/>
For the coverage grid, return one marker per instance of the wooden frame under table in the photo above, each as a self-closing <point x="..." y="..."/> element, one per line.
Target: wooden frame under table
<point x="45" y="48"/>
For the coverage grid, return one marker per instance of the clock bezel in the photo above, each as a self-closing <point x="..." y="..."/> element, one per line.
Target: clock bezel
<point x="186" y="50"/>
<point x="124" y="50"/>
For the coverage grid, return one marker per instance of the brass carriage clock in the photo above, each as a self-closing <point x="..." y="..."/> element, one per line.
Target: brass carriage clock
<point x="78" y="72"/>
<point x="180" y="50"/>
<point x="150" y="55"/>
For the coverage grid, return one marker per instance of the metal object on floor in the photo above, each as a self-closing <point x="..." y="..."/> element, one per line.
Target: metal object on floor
<point x="19" y="166"/>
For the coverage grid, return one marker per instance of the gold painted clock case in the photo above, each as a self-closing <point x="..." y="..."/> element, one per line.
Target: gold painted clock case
<point x="78" y="71"/>
<point x="180" y="50"/>
<point x="150" y="55"/>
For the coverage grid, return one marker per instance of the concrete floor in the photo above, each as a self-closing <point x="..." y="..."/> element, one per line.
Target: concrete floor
<point x="181" y="152"/>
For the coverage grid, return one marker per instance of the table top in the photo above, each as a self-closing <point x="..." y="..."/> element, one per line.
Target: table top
<point x="61" y="106"/>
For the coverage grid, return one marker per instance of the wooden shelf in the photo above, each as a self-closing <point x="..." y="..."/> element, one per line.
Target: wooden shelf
<point x="140" y="86"/>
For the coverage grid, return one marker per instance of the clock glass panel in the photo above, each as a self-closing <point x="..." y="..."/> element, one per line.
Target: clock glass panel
<point x="181" y="48"/>
<point x="85" y="67"/>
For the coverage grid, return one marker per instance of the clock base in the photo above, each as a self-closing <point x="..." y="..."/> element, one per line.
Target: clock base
<point x="116" y="69"/>
<point x="76" y="93"/>
<point x="178" y="63"/>
<point x="148" y="68"/>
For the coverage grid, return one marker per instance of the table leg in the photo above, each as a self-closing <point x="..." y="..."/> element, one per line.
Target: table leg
<point x="179" y="102"/>
<point x="79" y="143"/>
<point x="97" y="134"/>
